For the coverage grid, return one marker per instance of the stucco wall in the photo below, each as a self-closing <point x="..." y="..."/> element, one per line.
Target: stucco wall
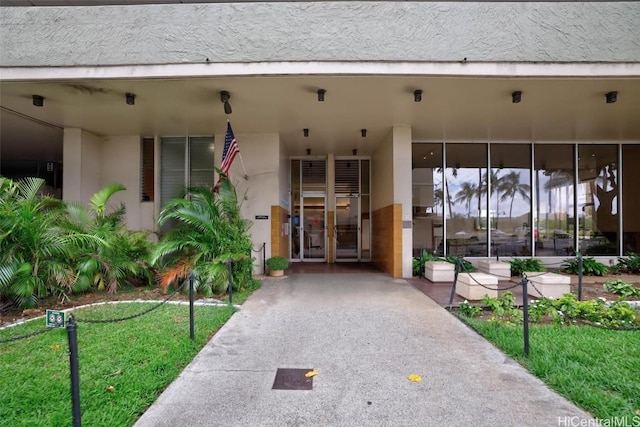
<point x="321" y="31"/>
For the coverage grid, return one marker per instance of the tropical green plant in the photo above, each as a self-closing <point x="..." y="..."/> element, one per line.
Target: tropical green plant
<point x="622" y="288"/>
<point x="277" y="263"/>
<point x="464" y="265"/>
<point x="115" y="256"/>
<point x="590" y="267"/>
<point x="418" y="262"/>
<point x="33" y="249"/>
<point x="468" y="310"/>
<point x="522" y="265"/>
<point x="208" y="232"/>
<point x="503" y="306"/>
<point x="630" y="263"/>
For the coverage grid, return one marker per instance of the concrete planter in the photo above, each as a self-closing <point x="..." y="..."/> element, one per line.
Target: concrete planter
<point x="439" y="271"/>
<point x="276" y="273"/>
<point x="551" y="285"/>
<point x="497" y="268"/>
<point x="468" y="287"/>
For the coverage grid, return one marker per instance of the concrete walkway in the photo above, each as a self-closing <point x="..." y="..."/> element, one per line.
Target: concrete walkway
<point x="364" y="333"/>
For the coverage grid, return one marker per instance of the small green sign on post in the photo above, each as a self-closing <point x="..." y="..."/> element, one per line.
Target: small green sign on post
<point x="55" y="319"/>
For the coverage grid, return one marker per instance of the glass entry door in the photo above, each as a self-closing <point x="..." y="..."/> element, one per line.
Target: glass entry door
<point x="313" y="235"/>
<point x="347" y="228"/>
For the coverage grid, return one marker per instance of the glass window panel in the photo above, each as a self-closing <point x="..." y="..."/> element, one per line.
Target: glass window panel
<point x="631" y="198"/>
<point x="427" y="194"/>
<point x="466" y="199"/>
<point x="554" y="225"/>
<point x="510" y="201"/>
<point x="172" y="166"/>
<point x="201" y="162"/>
<point x="598" y="199"/>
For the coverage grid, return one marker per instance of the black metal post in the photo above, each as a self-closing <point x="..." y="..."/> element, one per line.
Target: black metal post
<point x="191" y="320"/>
<point x="230" y="288"/>
<point x="497" y="254"/>
<point x="75" y="371"/>
<point x="579" y="276"/>
<point x="525" y="314"/>
<point x="455" y="280"/>
<point x="264" y="258"/>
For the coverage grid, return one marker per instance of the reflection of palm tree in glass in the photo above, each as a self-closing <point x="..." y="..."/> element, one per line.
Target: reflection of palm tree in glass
<point x="495" y="189"/>
<point x="466" y="194"/>
<point x="558" y="179"/>
<point x="438" y="197"/>
<point x="511" y="186"/>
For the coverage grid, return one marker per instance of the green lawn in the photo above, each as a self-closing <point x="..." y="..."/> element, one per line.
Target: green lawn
<point x="138" y="358"/>
<point x="598" y="370"/>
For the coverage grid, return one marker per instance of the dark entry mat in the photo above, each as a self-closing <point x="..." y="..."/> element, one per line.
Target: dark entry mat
<point x="292" y="379"/>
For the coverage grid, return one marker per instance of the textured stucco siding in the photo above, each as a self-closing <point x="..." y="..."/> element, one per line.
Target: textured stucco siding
<point x="331" y="31"/>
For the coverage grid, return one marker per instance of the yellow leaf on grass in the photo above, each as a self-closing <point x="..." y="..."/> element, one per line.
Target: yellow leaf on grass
<point x="55" y="347"/>
<point x="110" y="388"/>
<point x="311" y="374"/>
<point x="414" y="377"/>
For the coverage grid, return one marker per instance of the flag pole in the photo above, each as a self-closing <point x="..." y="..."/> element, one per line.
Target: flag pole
<point x="246" y="177"/>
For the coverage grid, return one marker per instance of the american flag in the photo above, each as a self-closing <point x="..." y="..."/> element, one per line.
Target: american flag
<point x="230" y="150"/>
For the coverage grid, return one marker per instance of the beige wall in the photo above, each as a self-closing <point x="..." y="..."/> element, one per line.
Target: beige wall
<point x="120" y="157"/>
<point x="261" y="156"/>
<point x="82" y="165"/>
<point x="402" y="191"/>
<point x="391" y="185"/>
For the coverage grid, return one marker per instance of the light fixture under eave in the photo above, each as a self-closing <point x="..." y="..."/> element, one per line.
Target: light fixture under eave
<point x="305" y="132"/>
<point x="224" y="97"/>
<point x="308" y="151"/>
<point x="355" y="151"/>
<point x="417" y="95"/>
<point x="516" y="96"/>
<point x="321" y="93"/>
<point x="38" y="100"/>
<point x="130" y="98"/>
<point x="611" y="97"/>
<point x="363" y="132"/>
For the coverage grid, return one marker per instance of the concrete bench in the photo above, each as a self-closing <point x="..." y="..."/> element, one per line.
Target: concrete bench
<point x="498" y="268"/>
<point x="551" y="285"/>
<point x="439" y="271"/>
<point x="468" y="287"/>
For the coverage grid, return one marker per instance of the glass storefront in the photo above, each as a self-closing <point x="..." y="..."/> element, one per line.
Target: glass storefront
<point x="512" y="199"/>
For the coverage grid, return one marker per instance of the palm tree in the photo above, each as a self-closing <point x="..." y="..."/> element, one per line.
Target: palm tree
<point x="33" y="249"/>
<point x="466" y="194"/>
<point x="209" y="230"/>
<point x="510" y="186"/>
<point x="113" y="255"/>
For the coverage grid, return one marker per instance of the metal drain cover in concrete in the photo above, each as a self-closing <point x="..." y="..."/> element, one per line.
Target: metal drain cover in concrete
<point x="292" y="379"/>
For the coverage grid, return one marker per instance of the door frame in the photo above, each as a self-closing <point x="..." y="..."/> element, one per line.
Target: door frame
<point x="358" y="256"/>
<point x="313" y="194"/>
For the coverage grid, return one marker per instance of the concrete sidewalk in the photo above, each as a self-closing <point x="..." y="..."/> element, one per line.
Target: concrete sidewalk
<point x="364" y="333"/>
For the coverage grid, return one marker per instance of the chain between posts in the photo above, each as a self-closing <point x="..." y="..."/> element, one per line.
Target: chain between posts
<point x="24" y="337"/>
<point x="262" y="249"/>
<point x="142" y="313"/>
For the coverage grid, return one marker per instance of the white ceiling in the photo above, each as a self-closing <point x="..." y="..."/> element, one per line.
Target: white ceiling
<point x="452" y="109"/>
